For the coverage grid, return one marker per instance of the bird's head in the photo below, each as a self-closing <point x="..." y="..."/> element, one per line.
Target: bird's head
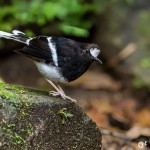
<point x="93" y="51"/>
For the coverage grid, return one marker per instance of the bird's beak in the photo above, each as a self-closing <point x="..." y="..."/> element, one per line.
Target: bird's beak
<point x="97" y="60"/>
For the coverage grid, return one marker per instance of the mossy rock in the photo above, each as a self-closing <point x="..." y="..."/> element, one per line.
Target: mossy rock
<point x="32" y="120"/>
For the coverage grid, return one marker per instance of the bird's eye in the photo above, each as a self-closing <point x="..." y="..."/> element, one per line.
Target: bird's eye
<point x="86" y="50"/>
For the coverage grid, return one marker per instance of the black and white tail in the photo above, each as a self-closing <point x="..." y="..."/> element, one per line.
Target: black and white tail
<point x="16" y="36"/>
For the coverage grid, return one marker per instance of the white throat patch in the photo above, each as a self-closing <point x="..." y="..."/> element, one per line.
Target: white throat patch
<point x="94" y="52"/>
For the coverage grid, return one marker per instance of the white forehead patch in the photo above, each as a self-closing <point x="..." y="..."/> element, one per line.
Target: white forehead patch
<point x="94" y="52"/>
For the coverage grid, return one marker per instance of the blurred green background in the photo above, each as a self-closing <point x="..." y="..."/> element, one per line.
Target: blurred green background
<point x="120" y="27"/>
<point x="74" y="17"/>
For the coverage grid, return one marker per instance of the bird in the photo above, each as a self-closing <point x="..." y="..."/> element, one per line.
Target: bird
<point x="58" y="59"/>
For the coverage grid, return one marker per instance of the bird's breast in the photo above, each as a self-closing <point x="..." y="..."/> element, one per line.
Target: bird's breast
<point x="74" y="72"/>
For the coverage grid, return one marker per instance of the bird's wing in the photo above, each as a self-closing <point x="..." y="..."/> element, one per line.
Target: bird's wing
<point x="62" y="52"/>
<point x="68" y="51"/>
<point x="38" y="49"/>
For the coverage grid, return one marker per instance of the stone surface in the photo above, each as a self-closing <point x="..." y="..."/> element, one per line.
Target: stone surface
<point x="32" y="120"/>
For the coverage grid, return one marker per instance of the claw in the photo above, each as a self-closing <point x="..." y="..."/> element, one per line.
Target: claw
<point x="54" y="93"/>
<point x="63" y="95"/>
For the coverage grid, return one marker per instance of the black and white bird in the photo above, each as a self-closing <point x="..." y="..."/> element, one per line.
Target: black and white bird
<point x="57" y="58"/>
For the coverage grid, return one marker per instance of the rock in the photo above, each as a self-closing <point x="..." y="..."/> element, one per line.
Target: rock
<point x="32" y="120"/>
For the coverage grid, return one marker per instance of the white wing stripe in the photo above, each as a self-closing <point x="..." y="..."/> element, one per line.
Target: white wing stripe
<point x="53" y="51"/>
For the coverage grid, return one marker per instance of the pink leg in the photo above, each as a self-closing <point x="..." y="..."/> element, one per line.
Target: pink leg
<point x="59" y="91"/>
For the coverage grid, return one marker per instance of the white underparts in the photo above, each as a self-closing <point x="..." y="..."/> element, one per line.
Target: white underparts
<point x="50" y="72"/>
<point x="53" y="51"/>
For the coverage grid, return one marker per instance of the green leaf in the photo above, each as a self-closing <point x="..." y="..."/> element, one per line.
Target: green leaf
<point x="71" y="30"/>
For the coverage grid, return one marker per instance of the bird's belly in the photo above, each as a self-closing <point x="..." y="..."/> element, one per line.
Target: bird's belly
<point x="50" y="72"/>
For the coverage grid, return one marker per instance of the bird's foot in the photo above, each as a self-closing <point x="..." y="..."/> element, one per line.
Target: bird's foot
<point x="59" y="91"/>
<point x="54" y="93"/>
<point x="67" y="97"/>
<point x="62" y="94"/>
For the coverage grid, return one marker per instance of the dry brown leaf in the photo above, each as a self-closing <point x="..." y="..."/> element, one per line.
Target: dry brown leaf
<point x="137" y="130"/>
<point x="144" y="117"/>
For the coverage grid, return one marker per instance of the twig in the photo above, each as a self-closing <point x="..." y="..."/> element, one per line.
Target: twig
<point x="123" y="54"/>
<point x="115" y="134"/>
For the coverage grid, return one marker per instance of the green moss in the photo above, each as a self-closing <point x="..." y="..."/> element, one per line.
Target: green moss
<point x="64" y="115"/>
<point x="15" y="100"/>
<point x="14" y="91"/>
<point x="11" y="92"/>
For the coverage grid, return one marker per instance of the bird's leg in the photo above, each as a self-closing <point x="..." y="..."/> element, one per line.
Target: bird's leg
<point x="59" y="91"/>
<point x="67" y="97"/>
<point x="59" y="87"/>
